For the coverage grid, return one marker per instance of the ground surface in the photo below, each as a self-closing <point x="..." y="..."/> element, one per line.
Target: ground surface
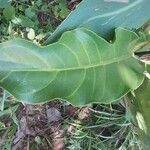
<point x="56" y="125"/>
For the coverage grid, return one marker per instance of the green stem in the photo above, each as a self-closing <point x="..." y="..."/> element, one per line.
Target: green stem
<point x="140" y="108"/>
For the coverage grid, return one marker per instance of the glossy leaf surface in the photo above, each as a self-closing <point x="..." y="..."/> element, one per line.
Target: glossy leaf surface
<point x="80" y="68"/>
<point x="102" y="16"/>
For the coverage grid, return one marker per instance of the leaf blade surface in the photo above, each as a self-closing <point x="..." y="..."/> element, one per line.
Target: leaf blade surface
<point x="81" y="68"/>
<point x="103" y="16"/>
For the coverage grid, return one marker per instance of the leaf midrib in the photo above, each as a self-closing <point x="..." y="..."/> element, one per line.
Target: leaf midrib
<point x="104" y="63"/>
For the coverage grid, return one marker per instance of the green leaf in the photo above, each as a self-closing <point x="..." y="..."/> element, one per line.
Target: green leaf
<point x="142" y="95"/>
<point x="29" y="12"/>
<point x="140" y="107"/>
<point x="23" y="21"/>
<point x="141" y="111"/>
<point x="102" y="16"/>
<point x="9" y="12"/>
<point x="64" y="10"/>
<point x="4" y="3"/>
<point x="2" y="125"/>
<point x="148" y="68"/>
<point x="80" y="68"/>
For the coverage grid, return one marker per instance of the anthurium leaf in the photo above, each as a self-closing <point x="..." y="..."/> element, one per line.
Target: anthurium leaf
<point x="101" y="16"/>
<point x="80" y="68"/>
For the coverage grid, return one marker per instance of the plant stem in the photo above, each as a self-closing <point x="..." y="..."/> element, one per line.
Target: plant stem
<point x="140" y="108"/>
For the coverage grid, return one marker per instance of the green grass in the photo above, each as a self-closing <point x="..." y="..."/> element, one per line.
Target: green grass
<point x="108" y="129"/>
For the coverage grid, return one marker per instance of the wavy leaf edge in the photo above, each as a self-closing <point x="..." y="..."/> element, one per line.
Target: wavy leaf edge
<point x="99" y="38"/>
